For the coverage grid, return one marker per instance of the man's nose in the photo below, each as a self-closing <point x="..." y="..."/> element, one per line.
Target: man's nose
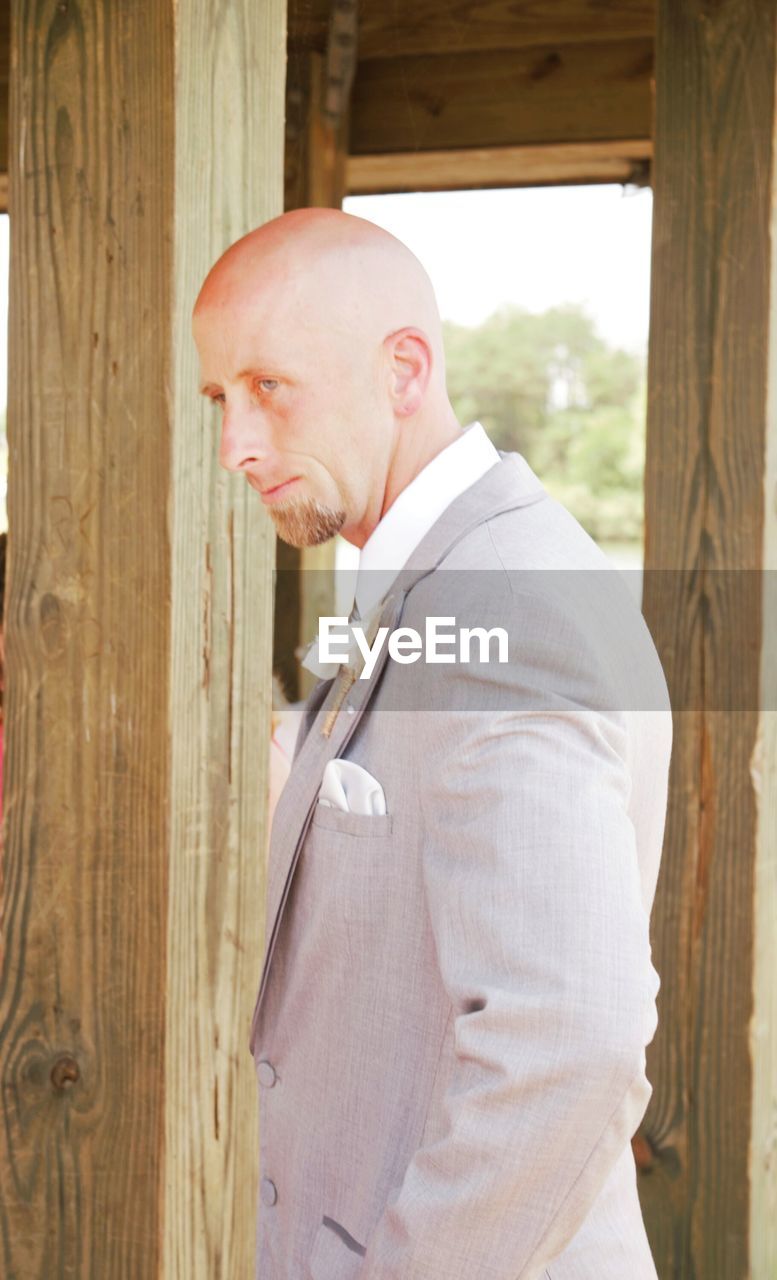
<point x="244" y="439"/>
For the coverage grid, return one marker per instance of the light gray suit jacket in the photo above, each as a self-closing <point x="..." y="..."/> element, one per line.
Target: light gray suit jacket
<point x="456" y="996"/>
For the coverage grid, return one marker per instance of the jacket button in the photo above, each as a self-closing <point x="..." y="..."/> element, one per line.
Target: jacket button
<point x="266" y="1073"/>
<point x="268" y="1191"/>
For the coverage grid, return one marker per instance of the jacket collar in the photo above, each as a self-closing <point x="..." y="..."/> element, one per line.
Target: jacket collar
<point x="508" y="484"/>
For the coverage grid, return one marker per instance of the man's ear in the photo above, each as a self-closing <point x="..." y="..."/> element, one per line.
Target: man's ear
<point x="409" y="356"/>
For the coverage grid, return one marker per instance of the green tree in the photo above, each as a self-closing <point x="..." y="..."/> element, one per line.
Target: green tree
<point x="550" y="387"/>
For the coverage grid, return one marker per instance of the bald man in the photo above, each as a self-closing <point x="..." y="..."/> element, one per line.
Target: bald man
<point x="457" y="989"/>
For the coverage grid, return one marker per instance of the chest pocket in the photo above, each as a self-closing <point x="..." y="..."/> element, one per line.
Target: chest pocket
<point x="345" y="870"/>
<point x="366" y="825"/>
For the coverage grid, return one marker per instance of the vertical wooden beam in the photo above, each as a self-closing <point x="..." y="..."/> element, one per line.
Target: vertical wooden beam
<point x="708" y="1172"/>
<point x="145" y="138"/>
<point x="763" y="1027"/>
<point x="316" y="144"/>
<point x="230" y="84"/>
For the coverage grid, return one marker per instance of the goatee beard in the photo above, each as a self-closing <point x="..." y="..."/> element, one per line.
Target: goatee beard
<point x="304" y="522"/>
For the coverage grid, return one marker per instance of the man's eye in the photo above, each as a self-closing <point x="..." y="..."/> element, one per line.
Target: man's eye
<point x="219" y="399"/>
<point x="267" y="384"/>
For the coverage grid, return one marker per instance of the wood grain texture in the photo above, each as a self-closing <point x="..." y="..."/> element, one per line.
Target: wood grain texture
<point x="437" y="27"/>
<point x="137" y="643"/>
<point x="230" y="86"/>
<point x="763" y="1028"/>
<point x="546" y="94"/>
<point x="408" y="27"/>
<point x="82" y="988"/>
<point x="480" y="167"/>
<point x="710" y="381"/>
<point x="763" y="769"/>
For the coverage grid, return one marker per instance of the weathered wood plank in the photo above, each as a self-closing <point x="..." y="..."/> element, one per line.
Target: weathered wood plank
<point x="548" y="94"/>
<point x="707" y="1149"/>
<point x="437" y="27"/>
<point x="137" y="649"/>
<point x="479" y="167"/>
<point x="87" y="642"/>
<point x="230" y="89"/>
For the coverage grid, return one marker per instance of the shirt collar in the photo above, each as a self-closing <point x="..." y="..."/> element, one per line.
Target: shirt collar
<point x="410" y="516"/>
<point x="414" y="511"/>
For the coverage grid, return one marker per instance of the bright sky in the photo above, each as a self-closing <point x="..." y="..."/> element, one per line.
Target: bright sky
<point x="535" y="247"/>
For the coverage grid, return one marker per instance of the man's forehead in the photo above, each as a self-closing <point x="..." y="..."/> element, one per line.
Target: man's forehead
<point x="230" y="306"/>
<point x="235" y="347"/>
<point x="232" y="324"/>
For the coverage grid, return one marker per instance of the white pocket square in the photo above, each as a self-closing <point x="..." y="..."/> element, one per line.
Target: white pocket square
<point x="347" y="786"/>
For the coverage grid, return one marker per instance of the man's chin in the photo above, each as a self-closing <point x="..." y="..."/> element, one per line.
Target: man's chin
<point x="306" y="522"/>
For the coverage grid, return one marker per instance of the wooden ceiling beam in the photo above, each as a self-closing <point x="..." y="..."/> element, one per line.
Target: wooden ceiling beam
<point x="433" y="27"/>
<point x="531" y="97"/>
<point x="563" y="87"/>
<point x="437" y="27"/>
<point x="457" y="170"/>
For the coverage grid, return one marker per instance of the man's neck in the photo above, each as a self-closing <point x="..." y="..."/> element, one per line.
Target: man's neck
<point x="418" y="442"/>
<point x="421" y="445"/>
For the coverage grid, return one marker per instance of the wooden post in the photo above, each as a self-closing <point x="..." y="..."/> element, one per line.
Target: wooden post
<point x="707" y="1149"/>
<point x="144" y="139"/>
<point x="316" y="142"/>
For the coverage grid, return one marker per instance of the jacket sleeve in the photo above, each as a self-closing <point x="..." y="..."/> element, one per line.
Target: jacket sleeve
<point x="542" y="935"/>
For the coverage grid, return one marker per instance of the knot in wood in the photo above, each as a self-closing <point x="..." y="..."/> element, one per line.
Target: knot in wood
<point x="64" y="1072"/>
<point x="643" y="1152"/>
<point x="545" y="67"/>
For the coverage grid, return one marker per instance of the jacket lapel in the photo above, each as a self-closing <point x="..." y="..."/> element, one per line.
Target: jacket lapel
<point x="508" y="484"/>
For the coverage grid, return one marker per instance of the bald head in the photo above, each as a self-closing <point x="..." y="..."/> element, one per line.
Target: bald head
<point x="319" y="335"/>
<point x="332" y="268"/>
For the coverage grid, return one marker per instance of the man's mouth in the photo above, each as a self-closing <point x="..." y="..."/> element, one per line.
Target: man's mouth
<point x="274" y="492"/>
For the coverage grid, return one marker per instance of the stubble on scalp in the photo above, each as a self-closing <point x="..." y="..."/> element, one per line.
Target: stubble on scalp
<point x="305" y="522"/>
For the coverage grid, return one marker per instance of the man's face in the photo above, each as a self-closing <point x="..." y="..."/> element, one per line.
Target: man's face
<point x="300" y="414"/>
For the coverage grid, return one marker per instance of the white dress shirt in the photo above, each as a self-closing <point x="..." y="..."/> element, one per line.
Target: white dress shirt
<point x="410" y="516"/>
